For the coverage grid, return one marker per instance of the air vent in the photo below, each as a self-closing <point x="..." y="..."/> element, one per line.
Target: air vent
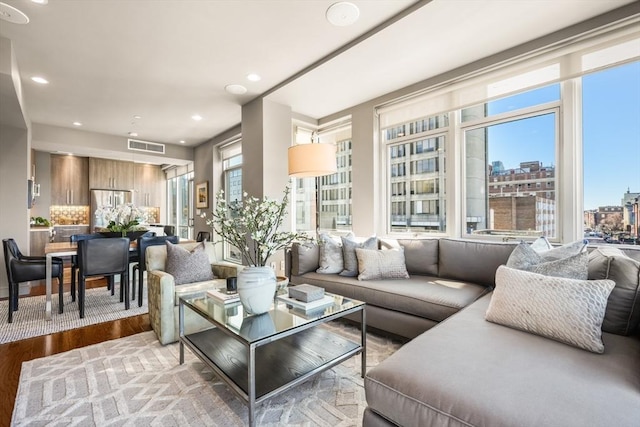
<point x="149" y="147"/>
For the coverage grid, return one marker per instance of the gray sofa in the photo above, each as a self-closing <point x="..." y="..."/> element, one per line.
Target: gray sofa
<point x="467" y="371"/>
<point x="446" y="275"/>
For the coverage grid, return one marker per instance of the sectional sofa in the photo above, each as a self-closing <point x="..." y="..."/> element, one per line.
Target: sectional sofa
<point x="460" y="369"/>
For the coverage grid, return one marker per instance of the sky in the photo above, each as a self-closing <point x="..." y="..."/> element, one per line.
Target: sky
<point x="611" y="133"/>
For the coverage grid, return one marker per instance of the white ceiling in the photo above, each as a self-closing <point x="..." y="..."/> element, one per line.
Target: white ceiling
<point x="109" y="60"/>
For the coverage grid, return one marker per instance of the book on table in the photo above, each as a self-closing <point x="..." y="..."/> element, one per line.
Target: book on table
<point x="222" y="295"/>
<point x="325" y="301"/>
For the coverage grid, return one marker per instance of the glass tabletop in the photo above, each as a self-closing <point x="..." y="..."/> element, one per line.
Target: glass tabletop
<point x="282" y="316"/>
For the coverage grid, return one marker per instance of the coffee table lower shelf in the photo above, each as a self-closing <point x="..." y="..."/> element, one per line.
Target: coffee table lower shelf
<point x="279" y="365"/>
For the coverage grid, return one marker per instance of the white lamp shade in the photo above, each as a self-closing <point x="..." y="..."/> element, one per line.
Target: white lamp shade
<point x="312" y="160"/>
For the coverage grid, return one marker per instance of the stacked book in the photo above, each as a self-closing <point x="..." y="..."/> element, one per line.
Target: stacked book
<point x="223" y="296"/>
<point x="307" y="298"/>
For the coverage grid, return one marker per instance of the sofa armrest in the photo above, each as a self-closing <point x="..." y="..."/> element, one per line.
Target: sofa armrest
<point x="162" y="290"/>
<point x="224" y="269"/>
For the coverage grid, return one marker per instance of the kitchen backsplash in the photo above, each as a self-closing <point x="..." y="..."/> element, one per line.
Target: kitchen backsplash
<point x="69" y="215"/>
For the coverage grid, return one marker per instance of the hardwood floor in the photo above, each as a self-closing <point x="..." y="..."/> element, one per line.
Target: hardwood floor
<point x="13" y="354"/>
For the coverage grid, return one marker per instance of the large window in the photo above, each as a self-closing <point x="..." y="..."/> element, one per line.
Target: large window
<point x="233" y="193"/>
<point x="416" y="168"/>
<point x="611" y="135"/>
<point x="180" y="206"/>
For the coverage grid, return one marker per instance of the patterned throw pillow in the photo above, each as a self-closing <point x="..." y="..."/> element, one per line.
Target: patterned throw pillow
<point x="381" y="264"/>
<point x="566" y="310"/>
<point x="330" y="255"/>
<point x="570" y="261"/>
<point x="349" y="257"/>
<point x="188" y="266"/>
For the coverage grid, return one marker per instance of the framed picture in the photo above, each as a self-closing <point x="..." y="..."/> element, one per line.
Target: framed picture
<point x="202" y="195"/>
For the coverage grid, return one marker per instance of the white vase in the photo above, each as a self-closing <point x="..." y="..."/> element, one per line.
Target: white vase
<point x="256" y="288"/>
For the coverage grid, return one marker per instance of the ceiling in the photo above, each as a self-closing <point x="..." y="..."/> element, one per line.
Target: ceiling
<point x="108" y="61"/>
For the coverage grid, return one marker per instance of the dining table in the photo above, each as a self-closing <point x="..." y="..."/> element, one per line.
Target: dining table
<point x="61" y="249"/>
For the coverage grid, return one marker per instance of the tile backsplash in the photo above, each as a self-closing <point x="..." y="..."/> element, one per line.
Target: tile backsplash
<point x="69" y="215"/>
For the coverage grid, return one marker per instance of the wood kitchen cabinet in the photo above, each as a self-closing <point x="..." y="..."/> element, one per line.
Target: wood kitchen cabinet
<point x="110" y="174"/>
<point x="148" y="181"/>
<point x="69" y="180"/>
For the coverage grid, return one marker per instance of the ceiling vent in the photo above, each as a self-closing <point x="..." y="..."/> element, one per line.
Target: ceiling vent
<point x="149" y="147"/>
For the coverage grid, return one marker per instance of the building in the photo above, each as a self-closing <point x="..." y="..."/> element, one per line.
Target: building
<point x="530" y="178"/>
<point x="630" y="212"/>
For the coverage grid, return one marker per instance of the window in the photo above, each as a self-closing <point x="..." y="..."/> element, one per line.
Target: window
<point x="421" y="171"/>
<point x="179" y="202"/>
<point x="611" y="150"/>
<point x="233" y="193"/>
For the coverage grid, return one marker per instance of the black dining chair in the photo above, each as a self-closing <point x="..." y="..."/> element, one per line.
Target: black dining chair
<point x="75" y="238"/>
<point x="142" y="244"/>
<point x="169" y="230"/>
<point x="203" y="236"/>
<point x="22" y="268"/>
<point x="107" y="258"/>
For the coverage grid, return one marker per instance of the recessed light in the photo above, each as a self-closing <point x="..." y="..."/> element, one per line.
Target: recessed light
<point x="137" y="117"/>
<point x="182" y="141"/>
<point x="253" y="77"/>
<point x="40" y="1"/>
<point x="40" y="80"/>
<point x="77" y="124"/>
<point x="196" y="117"/>
<point x="133" y="133"/>
<point x="342" y="14"/>
<point x="236" y="89"/>
<point x="13" y="15"/>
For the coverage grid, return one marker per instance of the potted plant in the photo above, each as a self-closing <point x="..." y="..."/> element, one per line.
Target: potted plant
<point x="124" y="221"/>
<point x="253" y="227"/>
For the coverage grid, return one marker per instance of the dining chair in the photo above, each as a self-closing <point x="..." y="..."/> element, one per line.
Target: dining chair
<point x="203" y="236"/>
<point x="75" y="238"/>
<point x="22" y="268"/>
<point x="107" y="258"/>
<point x="142" y="244"/>
<point x="169" y="230"/>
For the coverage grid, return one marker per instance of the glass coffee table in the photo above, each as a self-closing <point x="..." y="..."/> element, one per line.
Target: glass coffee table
<point x="259" y="356"/>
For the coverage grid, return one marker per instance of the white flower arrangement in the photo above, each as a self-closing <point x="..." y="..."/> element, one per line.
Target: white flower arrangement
<point x="122" y="218"/>
<point x="252" y="226"/>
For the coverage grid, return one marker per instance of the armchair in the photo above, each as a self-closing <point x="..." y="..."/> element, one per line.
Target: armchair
<point x="164" y="294"/>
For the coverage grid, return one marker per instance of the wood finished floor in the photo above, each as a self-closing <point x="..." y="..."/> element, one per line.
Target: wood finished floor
<point x="13" y="354"/>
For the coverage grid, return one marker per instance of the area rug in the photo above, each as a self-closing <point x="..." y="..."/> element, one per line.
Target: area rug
<point x="135" y="381"/>
<point x="29" y="321"/>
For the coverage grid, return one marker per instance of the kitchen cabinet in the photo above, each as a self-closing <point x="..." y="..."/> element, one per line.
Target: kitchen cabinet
<point x="40" y="236"/>
<point x="110" y="174"/>
<point x="148" y="181"/>
<point x="69" y="180"/>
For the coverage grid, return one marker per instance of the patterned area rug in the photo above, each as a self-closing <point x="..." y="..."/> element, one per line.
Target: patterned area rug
<point x="29" y="320"/>
<point x="136" y="381"/>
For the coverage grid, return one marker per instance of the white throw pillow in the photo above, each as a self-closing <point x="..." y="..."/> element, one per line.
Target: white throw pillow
<point x="566" y="310"/>
<point x="381" y="264"/>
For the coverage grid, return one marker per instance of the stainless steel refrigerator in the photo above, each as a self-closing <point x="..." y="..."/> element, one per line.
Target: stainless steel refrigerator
<point x="111" y="198"/>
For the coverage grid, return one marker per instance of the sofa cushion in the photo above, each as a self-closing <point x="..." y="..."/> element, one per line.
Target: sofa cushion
<point x="330" y="259"/>
<point x="623" y="308"/>
<point x="420" y="255"/>
<point x="432" y="298"/>
<point x="304" y="258"/>
<point x="349" y="245"/>
<point x="188" y="266"/>
<point x="568" y="261"/>
<point x="470" y="260"/>
<point x="156" y="256"/>
<point x="469" y="372"/>
<point x="566" y="310"/>
<point x="381" y="264"/>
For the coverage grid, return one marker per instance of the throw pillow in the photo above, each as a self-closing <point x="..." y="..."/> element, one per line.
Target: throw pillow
<point x="541" y="244"/>
<point x="330" y="255"/>
<point x="349" y="257"/>
<point x="569" y="261"/>
<point x="623" y="308"/>
<point x="188" y="266"/>
<point x="381" y="264"/>
<point x="566" y="310"/>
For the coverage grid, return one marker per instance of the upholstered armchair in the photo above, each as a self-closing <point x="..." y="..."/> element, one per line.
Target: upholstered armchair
<point x="164" y="294"/>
